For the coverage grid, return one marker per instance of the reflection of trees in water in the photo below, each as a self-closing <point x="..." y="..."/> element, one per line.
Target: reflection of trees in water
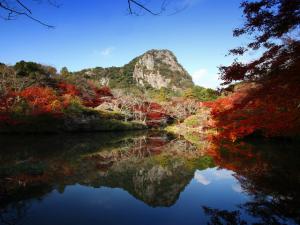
<point x="264" y="211"/>
<point x="219" y="217"/>
<point x="269" y="211"/>
<point x="268" y="172"/>
<point x="154" y="169"/>
<point x="138" y="148"/>
<point x="261" y="210"/>
<point x="151" y="166"/>
<point x="146" y="146"/>
<point x="15" y="213"/>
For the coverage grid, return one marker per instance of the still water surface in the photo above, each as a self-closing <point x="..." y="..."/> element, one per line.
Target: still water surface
<point x="145" y="179"/>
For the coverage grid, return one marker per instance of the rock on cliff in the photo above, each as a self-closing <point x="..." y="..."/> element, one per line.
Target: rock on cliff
<point x="160" y="69"/>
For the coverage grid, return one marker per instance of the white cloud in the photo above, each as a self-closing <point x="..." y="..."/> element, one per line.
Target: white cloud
<point x="237" y="188"/>
<point x="107" y="51"/>
<point x="201" y="179"/>
<point x="204" y="78"/>
<point x="222" y="174"/>
<point x="201" y="72"/>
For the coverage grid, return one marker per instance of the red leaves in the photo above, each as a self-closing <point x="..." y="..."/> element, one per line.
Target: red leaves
<point x="148" y="107"/>
<point x="41" y="99"/>
<point x="37" y="100"/>
<point x="155" y="115"/>
<point x="103" y="91"/>
<point x="273" y="109"/>
<point x="68" y="89"/>
<point x="91" y="97"/>
<point x="152" y="113"/>
<point x="92" y="102"/>
<point x="270" y="109"/>
<point x="96" y="96"/>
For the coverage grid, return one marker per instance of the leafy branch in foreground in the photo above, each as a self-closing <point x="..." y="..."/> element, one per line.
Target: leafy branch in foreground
<point x="266" y="101"/>
<point x="273" y="25"/>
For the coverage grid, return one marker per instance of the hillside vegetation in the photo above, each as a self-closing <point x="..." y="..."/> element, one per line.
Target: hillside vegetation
<point x="151" y="71"/>
<point x="37" y="98"/>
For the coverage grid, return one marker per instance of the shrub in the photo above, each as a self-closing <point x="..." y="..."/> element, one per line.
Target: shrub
<point x="41" y="100"/>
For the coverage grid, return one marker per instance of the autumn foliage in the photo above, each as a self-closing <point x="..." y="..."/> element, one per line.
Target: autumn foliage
<point x="52" y="100"/>
<point x="96" y="96"/>
<point x="154" y="113"/>
<point x="269" y="108"/>
<point x="41" y="100"/>
<point x="68" y="89"/>
<point x="266" y="102"/>
<point x="56" y="97"/>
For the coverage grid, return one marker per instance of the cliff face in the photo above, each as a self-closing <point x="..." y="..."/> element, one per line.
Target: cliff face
<point x="160" y="69"/>
<point x="154" y="69"/>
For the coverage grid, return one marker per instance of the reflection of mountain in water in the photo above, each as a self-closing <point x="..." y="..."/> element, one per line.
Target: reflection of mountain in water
<point x="150" y="166"/>
<point x="154" y="168"/>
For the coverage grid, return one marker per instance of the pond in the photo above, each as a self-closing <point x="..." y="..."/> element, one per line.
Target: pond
<point x="146" y="178"/>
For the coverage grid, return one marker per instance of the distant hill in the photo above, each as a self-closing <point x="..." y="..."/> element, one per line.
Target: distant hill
<point x="155" y="69"/>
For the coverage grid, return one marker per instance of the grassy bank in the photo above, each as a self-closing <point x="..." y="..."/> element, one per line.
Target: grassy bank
<point x="85" y="121"/>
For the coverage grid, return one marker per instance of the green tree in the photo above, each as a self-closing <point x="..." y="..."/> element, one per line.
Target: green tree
<point x="201" y="93"/>
<point x="33" y="70"/>
<point x="64" y="72"/>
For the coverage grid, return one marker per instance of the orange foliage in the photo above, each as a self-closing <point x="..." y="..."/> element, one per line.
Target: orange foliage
<point x="50" y="100"/>
<point x="68" y="89"/>
<point x="91" y="97"/>
<point x="270" y="108"/>
<point x="41" y="99"/>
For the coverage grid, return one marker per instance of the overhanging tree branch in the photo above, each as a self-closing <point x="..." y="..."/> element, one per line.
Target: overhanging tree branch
<point x="14" y="11"/>
<point x="133" y="2"/>
<point x="14" y="8"/>
<point x="25" y="7"/>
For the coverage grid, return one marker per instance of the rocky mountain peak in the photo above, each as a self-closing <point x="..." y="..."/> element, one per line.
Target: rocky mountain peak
<point x="152" y="57"/>
<point x="160" y="69"/>
<point x="154" y="69"/>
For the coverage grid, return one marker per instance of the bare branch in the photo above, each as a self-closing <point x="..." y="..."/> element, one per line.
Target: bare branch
<point x="179" y="6"/>
<point x="130" y="2"/>
<point x="129" y="7"/>
<point x="12" y="12"/>
<point x="20" y="9"/>
<point x="25" y="7"/>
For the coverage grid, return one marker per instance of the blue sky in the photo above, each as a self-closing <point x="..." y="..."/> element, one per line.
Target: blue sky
<point x="102" y="33"/>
